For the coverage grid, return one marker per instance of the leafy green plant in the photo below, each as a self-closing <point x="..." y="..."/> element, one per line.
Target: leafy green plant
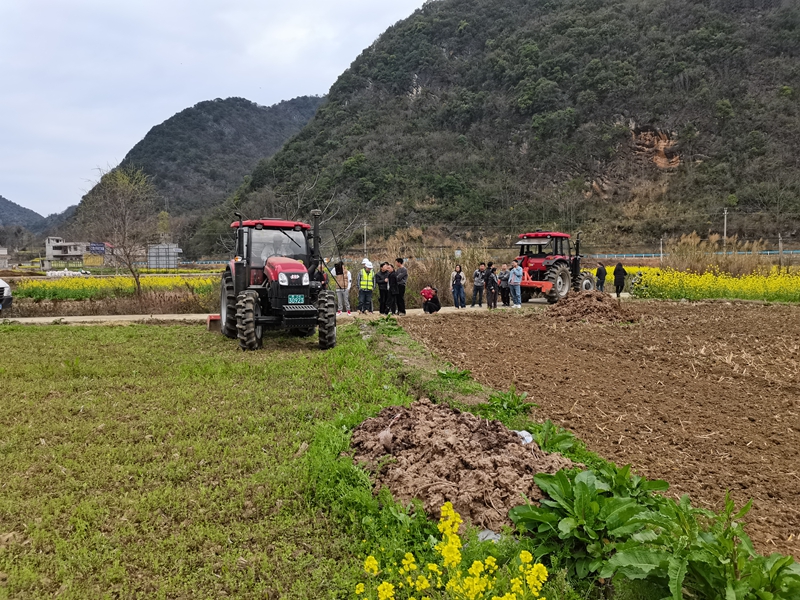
<point x="505" y="406"/>
<point x="623" y="482"/>
<point x="462" y="375"/>
<point x="706" y="553"/>
<point x="580" y="515"/>
<point x="551" y="438"/>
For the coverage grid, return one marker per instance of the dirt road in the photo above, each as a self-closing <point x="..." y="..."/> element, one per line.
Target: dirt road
<point x="706" y="396"/>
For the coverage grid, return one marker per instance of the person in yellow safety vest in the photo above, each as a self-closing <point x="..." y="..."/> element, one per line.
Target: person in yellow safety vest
<point x="365" y="284"/>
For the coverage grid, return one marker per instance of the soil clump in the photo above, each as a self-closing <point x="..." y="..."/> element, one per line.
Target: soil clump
<point x="439" y="454"/>
<point x="590" y="307"/>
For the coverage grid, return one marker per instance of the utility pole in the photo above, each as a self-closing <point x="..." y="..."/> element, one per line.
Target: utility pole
<point x="780" y="253"/>
<point x="365" y="239"/>
<point x="661" y="242"/>
<point x="725" y="232"/>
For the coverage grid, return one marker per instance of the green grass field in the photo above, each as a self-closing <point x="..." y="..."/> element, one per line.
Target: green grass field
<point x="159" y="462"/>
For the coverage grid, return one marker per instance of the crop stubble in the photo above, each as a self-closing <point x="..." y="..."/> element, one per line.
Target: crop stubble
<point x="706" y="396"/>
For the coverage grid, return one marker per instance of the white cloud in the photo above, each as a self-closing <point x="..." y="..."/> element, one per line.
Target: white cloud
<point x="83" y="81"/>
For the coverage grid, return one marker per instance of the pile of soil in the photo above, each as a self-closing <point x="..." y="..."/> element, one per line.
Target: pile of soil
<point x="591" y="307"/>
<point x="440" y="454"/>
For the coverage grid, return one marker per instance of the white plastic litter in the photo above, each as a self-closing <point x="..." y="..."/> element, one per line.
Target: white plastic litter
<point x="526" y="436"/>
<point x="488" y="534"/>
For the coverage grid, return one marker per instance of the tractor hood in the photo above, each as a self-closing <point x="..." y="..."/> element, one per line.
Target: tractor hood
<point x="289" y="266"/>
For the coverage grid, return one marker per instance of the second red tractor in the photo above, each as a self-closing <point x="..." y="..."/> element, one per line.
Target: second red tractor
<point x="551" y="265"/>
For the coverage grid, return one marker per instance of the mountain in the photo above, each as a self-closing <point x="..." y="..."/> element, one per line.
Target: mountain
<point x="630" y="119"/>
<point x="198" y="156"/>
<point x="52" y="222"/>
<point x="14" y="214"/>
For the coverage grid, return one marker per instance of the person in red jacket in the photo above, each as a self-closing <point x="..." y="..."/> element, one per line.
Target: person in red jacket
<point x="431" y="302"/>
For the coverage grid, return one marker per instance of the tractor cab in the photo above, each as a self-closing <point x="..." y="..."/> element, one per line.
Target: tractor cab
<point x="275" y="281"/>
<point x="551" y="265"/>
<point x="540" y="250"/>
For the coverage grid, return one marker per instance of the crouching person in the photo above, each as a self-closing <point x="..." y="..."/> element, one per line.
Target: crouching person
<point x="430" y="302"/>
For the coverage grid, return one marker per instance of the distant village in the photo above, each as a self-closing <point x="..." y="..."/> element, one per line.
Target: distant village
<point x="62" y="254"/>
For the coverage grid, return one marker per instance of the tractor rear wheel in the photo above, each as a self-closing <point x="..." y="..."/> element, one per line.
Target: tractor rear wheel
<point x="559" y="276"/>
<point x="326" y="320"/>
<point x="248" y="309"/>
<point x="584" y="282"/>
<point x="227" y="309"/>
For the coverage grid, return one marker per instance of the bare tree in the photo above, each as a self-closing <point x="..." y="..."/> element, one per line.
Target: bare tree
<point x="120" y="210"/>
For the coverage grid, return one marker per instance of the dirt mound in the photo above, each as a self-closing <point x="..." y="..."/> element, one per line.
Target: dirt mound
<point x="440" y="454"/>
<point x="592" y="307"/>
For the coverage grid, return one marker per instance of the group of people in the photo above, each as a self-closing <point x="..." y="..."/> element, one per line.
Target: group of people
<point x="505" y="283"/>
<point x="390" y="281"/>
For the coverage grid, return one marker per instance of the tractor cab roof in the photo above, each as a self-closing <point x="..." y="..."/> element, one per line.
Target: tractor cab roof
<point x="539" y="237"/>
<point x="272" y="224"/>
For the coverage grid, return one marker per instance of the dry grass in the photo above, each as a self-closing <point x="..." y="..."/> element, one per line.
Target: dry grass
<point x="428" y="265"/>
<point x="691" y="253"/>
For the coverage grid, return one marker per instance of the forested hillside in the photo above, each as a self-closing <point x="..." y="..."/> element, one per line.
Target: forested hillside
<point x="630" y="119"/>
<point x="12" y="214"/>
<point x="198" y="156"/>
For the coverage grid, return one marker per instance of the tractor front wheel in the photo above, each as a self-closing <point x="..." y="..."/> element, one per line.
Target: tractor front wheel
<point x="248" y="309"/>
<point x="227" y="309"/>
<point x="559" y="276"/>
<point x="326" y="320"/>
<point x="585" y="282"/>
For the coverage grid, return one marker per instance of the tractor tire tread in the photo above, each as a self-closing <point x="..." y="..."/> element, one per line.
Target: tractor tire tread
<point x="245" y="321"/>
<point x="552" y="276"/>
<point x="226" y="287"/>
<point x="326" y="320"/>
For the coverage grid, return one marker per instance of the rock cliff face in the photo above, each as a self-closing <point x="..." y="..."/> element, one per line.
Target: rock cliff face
<point x="658" y="146"/>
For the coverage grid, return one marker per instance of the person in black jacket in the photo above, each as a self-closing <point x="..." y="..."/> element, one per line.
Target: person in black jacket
<point x="392" y="288"/>
<point x="492" y="288"/>
<point x="619" y="278"/>
<point x="382" y="283"/>
<point x="600" y="277"/>
<point x="402" y="280"/>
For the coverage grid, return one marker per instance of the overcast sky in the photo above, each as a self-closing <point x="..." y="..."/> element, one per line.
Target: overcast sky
<point x="81" y="81"/>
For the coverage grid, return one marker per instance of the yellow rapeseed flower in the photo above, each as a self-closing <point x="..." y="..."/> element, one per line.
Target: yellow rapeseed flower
<point x="360" y="588"/>
<point x="385" y="591"/>
<point x="371" y="565"/>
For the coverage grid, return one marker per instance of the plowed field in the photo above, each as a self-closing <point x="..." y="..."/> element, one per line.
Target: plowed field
<point x="706" y="396"/>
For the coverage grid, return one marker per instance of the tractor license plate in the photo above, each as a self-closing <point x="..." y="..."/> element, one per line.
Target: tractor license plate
<point x="296" y="299"/>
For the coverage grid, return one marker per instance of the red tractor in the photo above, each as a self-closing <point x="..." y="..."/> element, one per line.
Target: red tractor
<point x="276" y="281"/>
<point x="551" y="265"/>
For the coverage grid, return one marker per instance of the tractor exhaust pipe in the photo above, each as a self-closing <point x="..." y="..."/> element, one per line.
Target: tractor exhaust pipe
<point x="316" y="255"/>
<point x="241" y="268"/>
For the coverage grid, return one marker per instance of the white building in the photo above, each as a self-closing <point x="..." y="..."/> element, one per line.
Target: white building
<point x="58" y="252"/>
<point x="3" y="258"/>
<point x="163" y="256"/>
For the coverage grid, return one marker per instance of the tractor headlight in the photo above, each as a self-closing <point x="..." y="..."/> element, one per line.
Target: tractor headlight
<point x="306" y="280"/>
<point x="283" y="279"/>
